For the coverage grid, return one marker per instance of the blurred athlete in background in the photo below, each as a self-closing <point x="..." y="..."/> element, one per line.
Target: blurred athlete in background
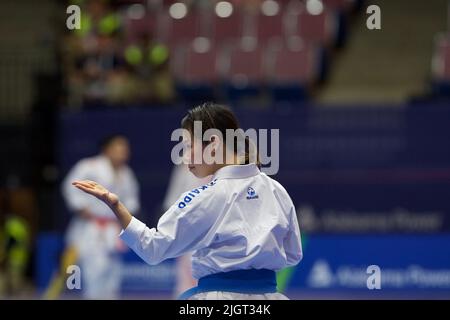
<point x="91" y="239"/>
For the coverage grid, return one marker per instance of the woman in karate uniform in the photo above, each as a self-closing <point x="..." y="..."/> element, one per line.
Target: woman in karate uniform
<point x="241" y="227"/>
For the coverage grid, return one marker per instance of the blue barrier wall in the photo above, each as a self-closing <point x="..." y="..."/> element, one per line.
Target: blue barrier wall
<point x="354" y="173"/>
<point x="334" y="266"/>
<point x="410" y="266"/>
<point x="368" y="161"/>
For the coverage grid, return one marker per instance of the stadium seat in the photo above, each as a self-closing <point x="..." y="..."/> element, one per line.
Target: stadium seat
<point x="195" y="70"/>
<point x="268" y="27"/>
<point x="244" y="75"/>
<point x="136" y="28"/>
<point x="339" y="5"/>
<point x="313" y="25"/>
<point x="227" y="28"/>
<point x="293" y="68"/>
<point x="181" y="29"/>
<point x="441" y="65"/>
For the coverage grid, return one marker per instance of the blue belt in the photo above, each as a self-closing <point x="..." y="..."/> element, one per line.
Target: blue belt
<point x="253" y="281"/>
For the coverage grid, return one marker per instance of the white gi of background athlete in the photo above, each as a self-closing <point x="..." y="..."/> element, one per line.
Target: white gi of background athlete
<point x="243" y="219"/>
<point x="96" y="238"/>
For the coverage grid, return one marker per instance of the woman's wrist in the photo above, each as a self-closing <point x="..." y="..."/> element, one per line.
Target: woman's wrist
<point x="111" y="199"/>
<point x="122" y="213"/>
<point x="114" y="205"/>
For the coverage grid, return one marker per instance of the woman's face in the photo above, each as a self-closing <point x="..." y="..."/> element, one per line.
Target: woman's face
<point x="193" y="146"/>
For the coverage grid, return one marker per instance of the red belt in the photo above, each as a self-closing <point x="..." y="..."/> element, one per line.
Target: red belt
<point x="103" y="221"/>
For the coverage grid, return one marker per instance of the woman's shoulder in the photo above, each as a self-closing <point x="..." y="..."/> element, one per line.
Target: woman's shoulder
<point x="274" y="183"/>
<point x="278" y="189"/>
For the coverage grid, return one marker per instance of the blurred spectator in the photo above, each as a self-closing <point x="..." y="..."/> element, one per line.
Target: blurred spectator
<point x="15" y="237"/>
<point x="102" y="68"/>
<point x="149" y="62"/>
<point x="122" y="55"/>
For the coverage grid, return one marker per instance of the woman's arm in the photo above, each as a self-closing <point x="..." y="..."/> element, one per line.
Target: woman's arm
<point x="181" y="229"/>
<point x="110" y="199"/>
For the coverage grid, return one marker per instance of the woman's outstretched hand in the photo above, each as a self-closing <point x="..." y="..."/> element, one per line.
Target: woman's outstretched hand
<point x="111" y="199"/>
<point x="97" y="190"/>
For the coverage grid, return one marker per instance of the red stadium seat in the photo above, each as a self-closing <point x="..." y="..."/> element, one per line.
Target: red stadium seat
<point x="292" y="69"/>
<point x="198" y="63"/>
<point x="319" y="26"/>
<point x="136" y="28"/>
<point x="441" y="58"/>
<point x="245" y="65"/>
<point x="269" y="27"/>
<point x="340" y="5"/>
<point x="292" y="64"/>
<point x="269" y="20"/>
<point x="244" y="72"/>
<point x="184" y="29"/>
<point x="128" y="2"/>
<point x="167" y="3"/>
<point x="227" y="28"/>
<point x="195" y="69"/>
<point x="441" y="66"/>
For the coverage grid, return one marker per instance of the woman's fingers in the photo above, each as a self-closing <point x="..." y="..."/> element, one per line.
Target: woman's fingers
<point x="90" y="190"/>
<point x="90" y="187"/>
<point x="83" y="183"/>
<point x="97" y="190"/>
<point x="87" y="184"/>
<point x="83" y="188"/>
